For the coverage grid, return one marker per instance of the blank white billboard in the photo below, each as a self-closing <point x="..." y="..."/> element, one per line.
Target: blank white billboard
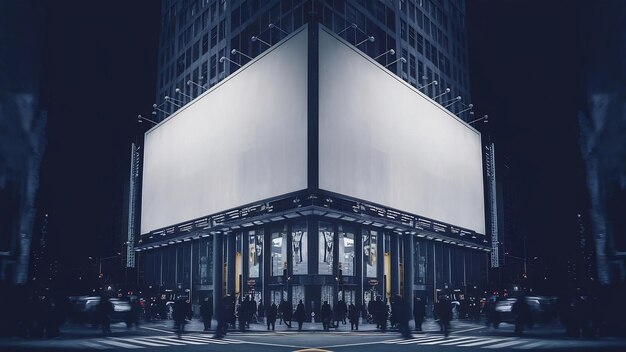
<point x="243" y="141"/>
<point x="382" y="141"/>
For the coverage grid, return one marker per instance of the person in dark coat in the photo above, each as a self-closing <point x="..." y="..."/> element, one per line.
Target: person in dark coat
<point x="371" y="310"/>
<point x="522" y="313"/>
<point x="242" y="313"/>
<point x="326" y="314"/>
<point x="300" y="315"/>
<point x="261" y="310"/>
<point x="419" y="311"/>
<point x="223" y="317"/>
<point x="287" y="313"/>
<point x="353" y="316"/>
<point x="134" y="314"/>
<point x="343" y="310"/>
<point x="271" y="313"/>
<point x="382" y="313"/>
<point x="443" y="310"/>
<point x="103" y="312"/>
<point x="206" y="312"/>
<point x="182" y="312"/>
<point x="402" y="316"/>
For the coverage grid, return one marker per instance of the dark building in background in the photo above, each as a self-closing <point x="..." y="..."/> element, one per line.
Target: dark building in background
<point x="429" y="34"/>
<point x="22" y="133"/>
<point x="603" y="127"/>
<point x="509" y="260"/>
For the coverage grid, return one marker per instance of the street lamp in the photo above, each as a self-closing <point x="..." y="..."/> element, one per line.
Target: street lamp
<point x="485" y="118"/>
<point x="140" y="119"/>
<point x="370" y="38"/>
<point x="255" y="38"/>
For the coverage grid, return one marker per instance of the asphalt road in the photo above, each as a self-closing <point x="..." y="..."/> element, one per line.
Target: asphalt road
<point x="465" y="337"/>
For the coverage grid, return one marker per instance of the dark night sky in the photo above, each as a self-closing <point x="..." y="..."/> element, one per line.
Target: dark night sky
<point x="526" y="72"/>
<point x="101" y="70"/>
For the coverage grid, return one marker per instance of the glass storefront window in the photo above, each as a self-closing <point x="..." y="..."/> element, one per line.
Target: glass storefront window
<point x="346" y="250"/>
<point x="276" y="296"/>
<point x="419" y="262"/>
<point x="299" y="249"/>
<point x="205" y="262"/>
<point x="327" y="294"/>
<point x="326" y="240"/>
<point x="297" y="294"/>
<point x="255" y="252"/>
<point x="279" y="251"/>
<point x="370" y="250"/>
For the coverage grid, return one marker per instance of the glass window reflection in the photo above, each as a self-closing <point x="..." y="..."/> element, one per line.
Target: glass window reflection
<point x="279" y="251"/>
<point x="326" y="242"/>
<point x="299" y="249"/>
<point x="346" y="250"/>
<point x="369" y="252"/>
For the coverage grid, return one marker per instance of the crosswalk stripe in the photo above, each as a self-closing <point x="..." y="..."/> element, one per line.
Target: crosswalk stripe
<point x="532" y="345"/>
<point x="507" y="343"/>
<point x="206" y="340"/>
<point x="166" y="343"/>
<point x="141" y="342"/>
<point x="393" y="340"/>
<point x="93" y="345"/>
<point x="484" y="342"/>
<point x="214" y="340"/>
<point x="171" y="341"/>
<point x="182" y="340"/>
<point x="408" y="342"/>
<point x="458" y="342"/>
<point x="119" y="344"/>
<point x="446" y="340"/>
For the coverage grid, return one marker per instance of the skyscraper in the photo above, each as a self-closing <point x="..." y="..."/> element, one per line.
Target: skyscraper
<point x="429" y="34"/>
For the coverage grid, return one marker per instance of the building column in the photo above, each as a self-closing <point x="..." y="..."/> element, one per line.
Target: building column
<point x="231" y="255"/>
<point x="395" y="264"/>
<point x="218" y="271"/>
<point x="407" y="243"/>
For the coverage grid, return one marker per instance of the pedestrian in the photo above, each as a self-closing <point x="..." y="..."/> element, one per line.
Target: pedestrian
<point x="134" y="314"/>
<point x="491" y="314"/>
<point x="443" y="310"/>
<point x="287" y="313"/>
<point x="336" y="316"/>
<point x="252" y="317"/>
<point x="402" y="317"/>
<point x="206" y="312"/>
<point x="343" y="310"/>
<point x="103" y="313"/>
<point x="326" y="313"/>
<point x="271" y="313"/>
<point x="182" y="312"/>
<point x="371" y="311"/>
<point x="242" y="314"/>
<point x="382" y="313"/>
<point x="261" y="310"/>
<point x="353" y="316"/>
<point x="521" y="310"/>
<point x="223" y="317"/>
<point x="300" y="315"/>
<point x="419" y="311"/>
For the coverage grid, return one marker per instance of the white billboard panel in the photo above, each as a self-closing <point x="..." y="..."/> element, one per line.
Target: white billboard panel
<point x="382" y="141"/>
<point x="241" y="142"/>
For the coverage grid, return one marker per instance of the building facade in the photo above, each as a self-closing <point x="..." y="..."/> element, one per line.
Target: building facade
<point x="279" y="183"/>
<point x="429" y="34"/>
